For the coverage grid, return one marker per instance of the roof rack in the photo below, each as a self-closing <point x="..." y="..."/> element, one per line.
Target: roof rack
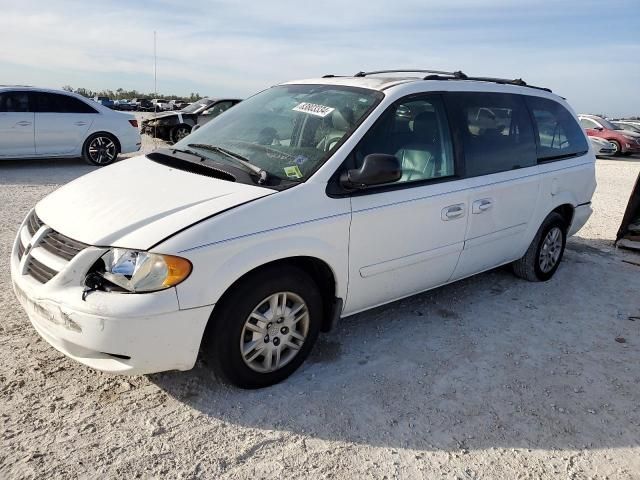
<point x="458" y="75"/>
<point x="503" y="81"/>
<point x="408" y="70"/>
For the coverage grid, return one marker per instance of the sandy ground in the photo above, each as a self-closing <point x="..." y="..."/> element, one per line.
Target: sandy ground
<point x="491" y="377"/>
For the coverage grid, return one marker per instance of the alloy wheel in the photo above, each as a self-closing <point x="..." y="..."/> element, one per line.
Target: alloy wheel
<point x="274" y="332"/>
<point x="102" y="150"/>
<point x="550" y="250"/>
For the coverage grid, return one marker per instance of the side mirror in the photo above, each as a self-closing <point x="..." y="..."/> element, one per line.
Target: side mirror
<point x="195" y="127"/>
<point x="376" y="169"/>
<point x="599" y="129"/>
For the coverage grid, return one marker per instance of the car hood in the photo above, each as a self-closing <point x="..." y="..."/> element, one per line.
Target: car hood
<point x="137" y="203"/>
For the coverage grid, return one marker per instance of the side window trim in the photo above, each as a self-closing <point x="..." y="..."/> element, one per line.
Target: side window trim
<point x="333" y="186"/>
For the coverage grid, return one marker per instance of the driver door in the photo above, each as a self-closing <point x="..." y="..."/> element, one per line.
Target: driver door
<point x="406" y="237"/>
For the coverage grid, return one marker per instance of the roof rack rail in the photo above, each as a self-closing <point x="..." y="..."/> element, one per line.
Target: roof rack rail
<point x="409" y="70"/>
<point x="503" y="81"/>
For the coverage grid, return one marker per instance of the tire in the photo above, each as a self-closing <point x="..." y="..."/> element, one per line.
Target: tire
<point x="618" y="151"/>
<point x="533" y="266"/>
<point x="228" y="333"/>
<point x="100" y="149"/>
<point x="179" y="132"/>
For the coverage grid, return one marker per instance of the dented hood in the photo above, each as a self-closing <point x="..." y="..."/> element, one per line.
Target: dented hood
<point x="136" y="203"/>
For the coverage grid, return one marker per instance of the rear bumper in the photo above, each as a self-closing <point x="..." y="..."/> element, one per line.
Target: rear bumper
<point x="130" y="141"/>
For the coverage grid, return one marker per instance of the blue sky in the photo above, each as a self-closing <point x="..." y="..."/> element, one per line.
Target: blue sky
<point x="587" y="51"/>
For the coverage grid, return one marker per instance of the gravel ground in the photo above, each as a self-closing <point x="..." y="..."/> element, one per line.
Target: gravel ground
<point x="491" y="377"/>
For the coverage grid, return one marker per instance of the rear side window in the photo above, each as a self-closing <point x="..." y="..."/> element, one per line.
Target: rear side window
<point x="57" y="103"/>
<point x="14" y="102"/>
<point x="559" y="135"/>
<point x="496" y="132"/>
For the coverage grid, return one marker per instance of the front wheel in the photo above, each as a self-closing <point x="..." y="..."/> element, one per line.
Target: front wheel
<point x="544" y="254"/>
<point x="617" y="148"/>
<point x="264" y="328"/>
<point x="100" y="149"/>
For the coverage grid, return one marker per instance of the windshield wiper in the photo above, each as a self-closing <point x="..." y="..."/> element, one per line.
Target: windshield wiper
<point x="239" y="159"/>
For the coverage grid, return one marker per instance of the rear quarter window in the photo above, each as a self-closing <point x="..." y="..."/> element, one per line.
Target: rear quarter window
<point x="558" y="134"/>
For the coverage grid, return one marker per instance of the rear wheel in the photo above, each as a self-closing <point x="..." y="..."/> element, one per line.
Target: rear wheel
<point x="179" y="132"/>
<point x="264" y="328"/>
<point x="544" y="254"/>
<point x="100" y="149"/>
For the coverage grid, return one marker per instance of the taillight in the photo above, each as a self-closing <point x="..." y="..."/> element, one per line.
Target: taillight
<point x="134" y="123"/>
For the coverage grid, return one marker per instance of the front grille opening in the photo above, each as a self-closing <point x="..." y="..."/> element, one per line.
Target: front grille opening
<point x="40" y="271"/>
<point x="34" y="223"/>
<point x="60" y="245"/>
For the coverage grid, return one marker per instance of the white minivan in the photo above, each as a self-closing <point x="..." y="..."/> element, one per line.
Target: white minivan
<point x="310" y="201"/>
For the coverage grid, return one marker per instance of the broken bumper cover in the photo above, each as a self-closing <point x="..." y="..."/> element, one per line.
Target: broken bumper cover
<point x="580" y="216"/>
<point x="113" y="332"/>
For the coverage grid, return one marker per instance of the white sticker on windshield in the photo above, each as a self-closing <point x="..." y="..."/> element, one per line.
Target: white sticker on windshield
<point x="313" y="109"/>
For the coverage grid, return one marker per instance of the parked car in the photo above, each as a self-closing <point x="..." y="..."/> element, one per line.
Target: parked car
<point x="178" y="104"/>
<point x="123" y="105"/>
<point x="38" y="122"/>
<point x="174" y="126"/>
<point x="160" y="104"/>
<point x="142" y="104"/>
<point x="627" y="126"/>
<point x="105" y="101"/>
<point x="625" y="141"/>
<point x="308" y="202"/>
<point x="602" y="147"/>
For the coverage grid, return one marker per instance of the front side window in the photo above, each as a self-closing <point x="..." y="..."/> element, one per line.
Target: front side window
<point x="496" y="132"/>
<point x="14" y="102"/>
<point x="416" y="132"/>
<point x="558" y="133"/>
<point x="287" y="131"/>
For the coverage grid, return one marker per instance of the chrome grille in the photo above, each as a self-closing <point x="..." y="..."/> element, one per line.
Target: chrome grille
<point x="52" y="242"/>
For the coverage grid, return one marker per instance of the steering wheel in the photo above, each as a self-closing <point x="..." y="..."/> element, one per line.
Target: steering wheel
<point x="328" y="142"/>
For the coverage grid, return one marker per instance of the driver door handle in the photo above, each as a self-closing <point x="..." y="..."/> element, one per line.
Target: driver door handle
<point x="452" y="212"/>
<point x="23" y="123"/>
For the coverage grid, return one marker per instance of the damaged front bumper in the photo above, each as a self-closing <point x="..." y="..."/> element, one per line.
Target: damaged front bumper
<point x="112" y="332"/>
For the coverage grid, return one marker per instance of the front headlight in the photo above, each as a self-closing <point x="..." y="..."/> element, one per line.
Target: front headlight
<point x="138" y="271"/>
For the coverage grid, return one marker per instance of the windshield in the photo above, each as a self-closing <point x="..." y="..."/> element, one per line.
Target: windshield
<point x="195" y="106"/>
<point x="289" y="130"/>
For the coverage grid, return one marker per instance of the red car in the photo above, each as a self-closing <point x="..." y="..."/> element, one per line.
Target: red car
<point x="625" y="141"/>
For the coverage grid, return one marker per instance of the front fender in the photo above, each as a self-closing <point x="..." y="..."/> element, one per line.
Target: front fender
<point x="216" y="267"/>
